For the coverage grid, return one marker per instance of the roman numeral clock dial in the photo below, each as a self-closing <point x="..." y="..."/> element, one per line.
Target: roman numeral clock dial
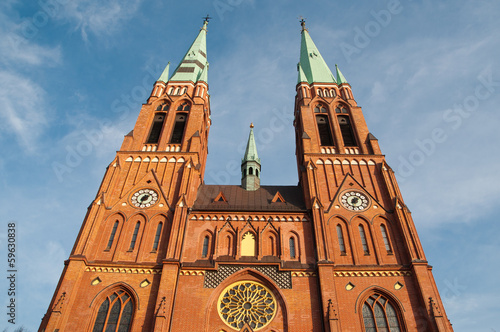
<point x="354" y="200"/>
<point x="144" y="198"/>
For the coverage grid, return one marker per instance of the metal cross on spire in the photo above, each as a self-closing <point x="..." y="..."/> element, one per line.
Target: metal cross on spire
<point x="303" y="23"/>
<point x="206" y="18"/>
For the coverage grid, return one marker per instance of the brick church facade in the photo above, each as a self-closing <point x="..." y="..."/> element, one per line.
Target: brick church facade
<point x="160" y="250"/>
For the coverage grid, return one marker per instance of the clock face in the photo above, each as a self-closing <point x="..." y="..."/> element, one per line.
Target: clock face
<point x="144" y="198"/>
<point x="354" y="201"/>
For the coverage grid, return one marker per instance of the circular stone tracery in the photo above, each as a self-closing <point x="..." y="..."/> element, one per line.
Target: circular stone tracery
<point x="247" y="302"/>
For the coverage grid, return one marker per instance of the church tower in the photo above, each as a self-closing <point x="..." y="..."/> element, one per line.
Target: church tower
<point x="372" y="270"/>
<point x="159" y="250"/>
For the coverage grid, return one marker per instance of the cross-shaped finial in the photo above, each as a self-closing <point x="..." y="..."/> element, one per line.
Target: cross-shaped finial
<point x="207" y="18"/>
<point x="302" y="23"/>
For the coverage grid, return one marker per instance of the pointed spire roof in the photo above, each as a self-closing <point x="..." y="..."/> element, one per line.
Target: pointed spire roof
<point x="164" y="75"/>
<point x="194" y="62"/>
<point x="302" y="75"/>
<point x="340" y="78"/>
<point x="204" y="74"/>
<point x="313" y="67"/>
<point x="251" y="150"/>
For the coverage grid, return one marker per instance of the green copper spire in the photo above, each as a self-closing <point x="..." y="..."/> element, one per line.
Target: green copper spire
<point x="251" y="151"/>
<point x="195" y="60"/>
<point x="302" y="75"/>
<point x="340" y="78"/>
<point x="164" y="75"/>
<point x="250" y="165"/>
<point x="204" y="74"/>
<point x="311" y="62"/>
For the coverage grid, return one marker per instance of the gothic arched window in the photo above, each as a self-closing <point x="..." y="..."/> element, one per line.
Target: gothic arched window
<point x="112" y="236"/>
<point x="379" y="315"/>
<point x="115" y="313"/>
<point x="346" y="130"/>
<point x="292" y="247"/>
<point x="383" y="230"/>
<point x="178" y="132"/>
<point x="340" y="237"/>
<point x="154" y="134"/>
<point x="134" y="236"/>
<point x="364" y="243"/>
<point x="325" y="134"/>
<point x="204" y="250"/>
<point x="157" y="237"/>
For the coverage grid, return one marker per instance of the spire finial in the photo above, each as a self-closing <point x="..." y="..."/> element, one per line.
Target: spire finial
<point x="251" y="125"/>
<point x="303" y="23"/>
<point x="206" y="19"/>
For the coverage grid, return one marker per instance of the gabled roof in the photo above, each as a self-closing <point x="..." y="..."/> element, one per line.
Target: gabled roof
<point x="239" y="199"/>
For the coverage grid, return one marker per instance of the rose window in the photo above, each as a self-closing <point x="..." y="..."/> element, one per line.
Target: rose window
<point x="247" y="302"/>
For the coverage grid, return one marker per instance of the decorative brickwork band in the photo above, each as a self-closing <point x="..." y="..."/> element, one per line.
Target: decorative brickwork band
<point x="303" y="274"/>
<point x="214" y="278"/>
<point x="106" y="269"/>
<point x="191" y="273"/>
<point x="372" y="274"/>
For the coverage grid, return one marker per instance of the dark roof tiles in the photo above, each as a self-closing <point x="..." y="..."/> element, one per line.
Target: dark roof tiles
<point x="239" y="199"/>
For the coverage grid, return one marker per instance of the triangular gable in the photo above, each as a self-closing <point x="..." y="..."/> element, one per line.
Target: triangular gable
<point x="149" y="180"/>
<point x="350" y="182"/>
<point x="220" y="198"/>
<point x="278" y="198"/>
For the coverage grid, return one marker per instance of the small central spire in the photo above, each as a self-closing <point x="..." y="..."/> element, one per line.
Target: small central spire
<point x="250" y="164"/>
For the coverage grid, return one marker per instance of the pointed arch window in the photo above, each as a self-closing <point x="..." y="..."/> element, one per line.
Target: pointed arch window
<point x="157" y="236"/>
<point x="364" y="243"/>
<point x="379" y="315"/>
<point x="320" y="109"/>
<point x="250" y="171"/>
<point x="115" y="313"/>
<point x="292" y="247"/>
<point x="134" y="236"/>
<point x="346" y="130"/>
<point x="340" y="237"/>
<point x="178" y="132"/>
<point x="185" y="106"/>
<point x="325" y="133"/>
<point x="156" y="128"/>
<point x="112" y="236"/>
<point x="383" y="230"/>
<point x="204" y="250"/>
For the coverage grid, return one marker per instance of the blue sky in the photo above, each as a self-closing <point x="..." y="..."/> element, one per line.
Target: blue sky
<point x="73" y="76"/>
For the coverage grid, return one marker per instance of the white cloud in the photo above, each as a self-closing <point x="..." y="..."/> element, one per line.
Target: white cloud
<point x="99" y="17"/>
<point x="17" y="48"/>
<point x="22" y="107"/>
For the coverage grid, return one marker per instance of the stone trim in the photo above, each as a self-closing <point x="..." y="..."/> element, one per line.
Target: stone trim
<point x="372" y="274"/>
<point x="108" y="269"/>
